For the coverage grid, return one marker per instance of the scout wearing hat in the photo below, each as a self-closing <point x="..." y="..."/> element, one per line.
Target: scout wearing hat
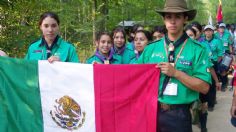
<point x="213" y="45"/>
<point x="226" y="39"/>
<point x="183" y="68"/>
<point x="214" y="48"/>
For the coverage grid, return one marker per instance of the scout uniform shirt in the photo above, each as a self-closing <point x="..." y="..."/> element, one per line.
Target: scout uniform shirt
<point x="137" y="55"/>
<point x="127" y="53"/>
<point x="215" y="47"/>
<point x="192" y="61"/>
<point x="135" y="59"/>
<point x="226" y="39"/>
<point x="40" y="51"/>
<point x="98" y="57"/>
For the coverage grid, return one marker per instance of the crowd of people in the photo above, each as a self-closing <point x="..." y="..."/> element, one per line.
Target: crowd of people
<point x="194" y="59"/>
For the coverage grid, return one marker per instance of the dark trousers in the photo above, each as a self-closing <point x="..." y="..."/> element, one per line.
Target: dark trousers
<point x="212" y="94"/>
<point x="224" y="80"/>
<point x="175" y="120"/>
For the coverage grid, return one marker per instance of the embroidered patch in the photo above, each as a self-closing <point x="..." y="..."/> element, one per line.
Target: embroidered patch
<point x="185" y="62"/>
<point x="158" y="55"/>
<point x="38" y="51"/>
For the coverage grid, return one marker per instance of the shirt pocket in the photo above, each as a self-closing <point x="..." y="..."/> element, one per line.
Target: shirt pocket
<point x="36" y="56"/>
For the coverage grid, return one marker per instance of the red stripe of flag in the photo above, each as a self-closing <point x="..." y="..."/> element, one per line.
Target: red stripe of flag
<point x="126" y="97"/>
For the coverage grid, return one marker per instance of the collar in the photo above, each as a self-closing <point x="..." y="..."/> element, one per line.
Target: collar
<point x="209" y="41"/>
<point x="137" y="54"/>
<point x="201" y="39"/>
<point x="102" y="57"/>
<point x="43" y="42"/>
<point x="178" y="42"/>
<point x="119" y="51"/>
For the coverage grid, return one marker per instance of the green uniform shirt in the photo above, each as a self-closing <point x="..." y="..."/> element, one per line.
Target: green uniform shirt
<point x="127" y="55"/>
<point x="134" y="61"/>
<point x="192" y="61"/>
<point x="63" y="49"/>
<point x="116" y="59"/>
<point x="130" y="45"/>
<point x="226" y="39"/>
<point x="215" y="47"/>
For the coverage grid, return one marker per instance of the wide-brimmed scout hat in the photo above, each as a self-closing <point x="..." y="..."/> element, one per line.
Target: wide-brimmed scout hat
<point x="178" y="6"/>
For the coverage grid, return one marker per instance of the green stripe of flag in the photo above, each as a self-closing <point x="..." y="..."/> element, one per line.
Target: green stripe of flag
<point x="20" y="106"/>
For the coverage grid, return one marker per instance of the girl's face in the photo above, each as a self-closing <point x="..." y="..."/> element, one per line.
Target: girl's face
<point x="104" y="44"/>
<point x="119" y="39"/>
<point x="49" y="28"/>
<point x="190" y="34"/>
<point x="157" y="35"/>
<point x="140" y="41"/>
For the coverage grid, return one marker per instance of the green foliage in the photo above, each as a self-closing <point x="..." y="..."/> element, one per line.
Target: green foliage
<point x="81" y="18"/>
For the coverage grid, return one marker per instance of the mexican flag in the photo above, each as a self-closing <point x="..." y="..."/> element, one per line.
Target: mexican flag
<point x="36" y="96"/>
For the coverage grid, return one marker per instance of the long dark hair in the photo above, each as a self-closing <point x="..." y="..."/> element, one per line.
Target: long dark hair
<point x="146" y="33"/>
<point x="189" y="27"/>
<point x="49" y="14"/>
<point x="100" y="34"/>
<point x="197" y="25"/>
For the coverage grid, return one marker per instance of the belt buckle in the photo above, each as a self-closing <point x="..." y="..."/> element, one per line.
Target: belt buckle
<point x="165" y="107"/>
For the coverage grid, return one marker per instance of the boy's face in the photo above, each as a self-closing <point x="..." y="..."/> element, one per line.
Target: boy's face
<point x="175" y="22"/>
<point x="221" y="29"/>
<point x="209" y="33"/>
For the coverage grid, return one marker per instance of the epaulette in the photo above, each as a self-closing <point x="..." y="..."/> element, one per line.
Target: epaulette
<point x="35" y="41"/>
<point x="153" y="42"/>
<point x="91" y="57"/>
<point x="196" y="42"/>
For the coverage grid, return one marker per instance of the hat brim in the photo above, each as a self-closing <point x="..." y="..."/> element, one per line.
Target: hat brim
<point x="208" y="28"/>
<point x="190" y="13"/>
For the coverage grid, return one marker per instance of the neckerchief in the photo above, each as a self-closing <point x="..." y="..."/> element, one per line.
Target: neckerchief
<point x="137" y="54"/>
<point x="119" y="51"/>
<point x="201" y="39"/>
<point x="176" y="45"/>
<point x="102" y="57"/>
<point x="49" y="49"/>
<point x="171" y="57"/>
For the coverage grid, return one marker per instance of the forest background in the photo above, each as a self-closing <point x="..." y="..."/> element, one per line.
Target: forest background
<point x="80" y="19"/>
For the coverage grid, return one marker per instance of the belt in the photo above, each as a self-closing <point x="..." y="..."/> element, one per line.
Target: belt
<point x="167" y="107"/>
